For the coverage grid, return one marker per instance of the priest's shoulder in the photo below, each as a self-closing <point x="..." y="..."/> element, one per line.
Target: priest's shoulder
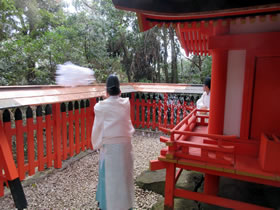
<point x="124" y="100"/>
<point x="99" y="106"/>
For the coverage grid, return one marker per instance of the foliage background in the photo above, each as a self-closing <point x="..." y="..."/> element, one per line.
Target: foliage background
<point x="36" y="35"/>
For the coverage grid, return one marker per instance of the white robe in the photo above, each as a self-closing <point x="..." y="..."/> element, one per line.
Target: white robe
<point x="112" y="132"/>
<point x="204" y="101"/>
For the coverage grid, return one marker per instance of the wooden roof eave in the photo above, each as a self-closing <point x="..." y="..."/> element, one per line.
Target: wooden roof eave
<point x="196" y="7"/>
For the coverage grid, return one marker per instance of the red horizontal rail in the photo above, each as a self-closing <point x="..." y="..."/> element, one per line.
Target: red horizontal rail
<point x="179" y="125"/>
<point x="212" y="136"/>
<point x="211" y="199"/>
<point x="226" y="149"/>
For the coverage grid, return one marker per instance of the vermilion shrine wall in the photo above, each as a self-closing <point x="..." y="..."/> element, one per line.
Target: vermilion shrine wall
<point x="236" y="69"/>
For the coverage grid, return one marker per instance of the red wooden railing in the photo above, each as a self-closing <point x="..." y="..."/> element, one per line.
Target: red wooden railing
<point x="210" y="150"/>
<point x="43" y="136"/>
<point x="157" y="111"/>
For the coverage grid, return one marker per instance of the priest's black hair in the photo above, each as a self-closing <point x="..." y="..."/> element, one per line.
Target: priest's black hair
<point x="113" y="85"/>
<point x="207" y="82"/>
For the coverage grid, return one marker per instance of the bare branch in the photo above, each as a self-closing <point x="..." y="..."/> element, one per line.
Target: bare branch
<point x="192" y="62"/>
<point x="87" y="5"/>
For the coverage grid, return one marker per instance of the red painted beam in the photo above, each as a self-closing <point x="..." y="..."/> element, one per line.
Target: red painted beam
<point x="215" y="200"/>
<point x="157" y="165"/>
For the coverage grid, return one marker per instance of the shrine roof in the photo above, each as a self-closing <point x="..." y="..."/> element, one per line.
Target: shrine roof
<point x="196" y="20"/>
<point x="196" y="7"/>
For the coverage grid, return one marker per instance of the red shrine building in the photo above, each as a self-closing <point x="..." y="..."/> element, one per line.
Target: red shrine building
<point x="241" y="139"/>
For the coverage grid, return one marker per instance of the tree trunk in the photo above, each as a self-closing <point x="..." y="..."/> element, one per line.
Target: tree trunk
<point x="30" y="73"/>
<point x="158" y="68"/>
<point x="174" y="75"/>
<point x="200" y="61"/>
<point x="128" y="63"/>
<point x="182" y="69"/>
<point x="165" y="55"/>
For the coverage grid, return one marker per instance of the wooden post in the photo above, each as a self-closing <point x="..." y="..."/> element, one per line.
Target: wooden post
<point x="148" y="111"/>
<point x="172" y="114"/>
<point x="30" y="141"/>
<point x="137" y="111"/>
<point x="143" y="104"/>
<point x="77" y="126"/>
<point x="20" y="144"/>
<point x="48" y="112"/>
<point x="92" y="104"/>
<point x="159" y="112"/>
<point x="217" y="102"/>
<point x="82" y="125"/>
<point x="132" y="109"/>
<point x="89" y="111"/>
<point x="218" y="91"/>
<point x="57" y="135"/>
<point x="7" y="126"/>
<point x="154" y="112"/>
<point x="179" y="107"/>
<point x="165" y="109"/>
<point x="40" y="139"/>
<point x="184" y="108"/>
<point x="71" y="128"/>
<point x="64" y="130"/>
<point x="169" y="187"/>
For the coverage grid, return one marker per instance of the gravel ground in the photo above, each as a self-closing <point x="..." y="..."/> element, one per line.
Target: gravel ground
<point x="74" y="187"/>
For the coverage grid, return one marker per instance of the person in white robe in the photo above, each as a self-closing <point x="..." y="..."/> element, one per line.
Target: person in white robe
<point x="204" y="101"/>
<point x="111" y="133"/>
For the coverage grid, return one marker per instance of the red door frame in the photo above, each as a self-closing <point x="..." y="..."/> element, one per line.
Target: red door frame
<point x="250" y="70"/>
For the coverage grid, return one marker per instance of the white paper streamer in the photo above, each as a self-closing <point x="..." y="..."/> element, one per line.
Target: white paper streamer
<point x="72" y="75"/>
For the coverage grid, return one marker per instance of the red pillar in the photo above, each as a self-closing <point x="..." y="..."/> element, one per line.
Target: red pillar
<point x="169" y="187"/>
<point x="218" y="91"/>
<point x="217" y="103"/>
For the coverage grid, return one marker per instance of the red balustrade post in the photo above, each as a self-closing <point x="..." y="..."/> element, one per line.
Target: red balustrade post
<point x="172" y="115"/>
<point x="89" y="123"/>
<point x="40" y="139"/>
<point x="165" y="109"/>
<point x="159" y="112"/>
<point x="48" y="112"/>
<point x="7" y="126"/>
<point x="143" y="104"/>
<point x="154" y="113"/>
<point x="178" y="112"/>
<point x="184" y="109"/>
<point x="57" y="135"/>
<point x="77" y="127"/>
<point x="137" y="112"/>
<point x="71" y="128"/>
<point x="148" y="111"/>
<point x="92" y="115"/>
<point x="64" y="130"/>
<point x="132" y="109"/>
<point x="82" y="125"/>
<point x="20" y="144"/>
<point x="30" y="141"/>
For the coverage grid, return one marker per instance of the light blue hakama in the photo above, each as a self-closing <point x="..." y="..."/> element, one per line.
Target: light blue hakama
<point x="115" y="190"/>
